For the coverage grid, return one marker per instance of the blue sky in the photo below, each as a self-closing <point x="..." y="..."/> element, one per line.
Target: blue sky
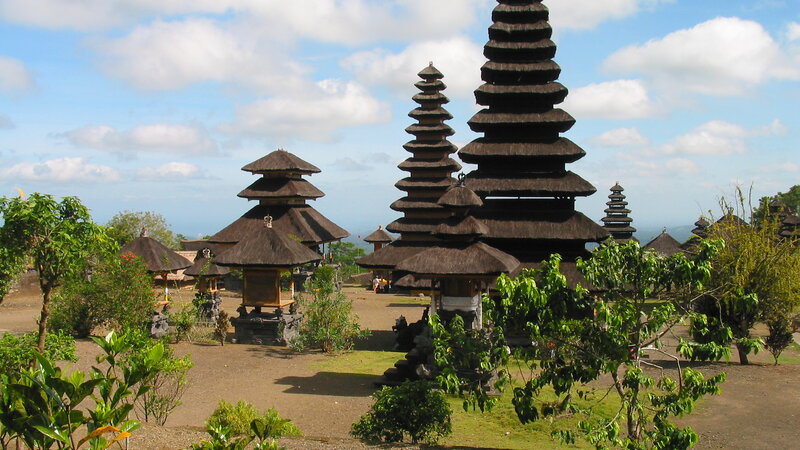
<point x="152" y="105"/>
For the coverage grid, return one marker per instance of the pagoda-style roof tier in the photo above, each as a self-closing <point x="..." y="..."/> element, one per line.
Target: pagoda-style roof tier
<point x="405" y="225"/>
<point x="436" y="98"/>
<point x="520" y="72"/>
<point x="281" y="161"/>
<point x="436" y="149"/>
<point x="300" y="221"/>
<point x="539" y="94"/>
<point x="380" y="235"/>
<point x="438" y="130"/>
<point x="616" y="189"/>
<point x="476" y="259"/>
<point x="522" y="124"/>
<point x="430" y="114"/>
<point x="463" y="228"/>
<point x="424" y="184"/>
<point x="428" y="86"/>
<point x="516" y="50"/>
<point x="616" y="219"/>
<point x="481" y="149"/>
<point x="267" y="247"/>
<point x="664" y="245"/>
<point x="430" y="73"/>
<point x="617" y="212"/>
<point x="616" y="204"/>
<point x="501" y="31"/>
<point x="391" y="254"/>
<point x="563" y="226"/>
<point x="615" y="228"/>
<point x="566" y="184"/>
<point x="460" y="197"/>
<point x="205" y="267"/>
<point x="289" y="188"/>
<point x="446" y="163"/>
<point x="410" y="204"/>
<point x="512" y="11"/>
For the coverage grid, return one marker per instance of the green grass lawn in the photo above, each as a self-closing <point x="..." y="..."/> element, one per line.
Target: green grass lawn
<point x="499" y="428"/>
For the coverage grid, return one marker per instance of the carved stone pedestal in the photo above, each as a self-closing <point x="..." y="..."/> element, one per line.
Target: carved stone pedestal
<point x="261" y="328"/>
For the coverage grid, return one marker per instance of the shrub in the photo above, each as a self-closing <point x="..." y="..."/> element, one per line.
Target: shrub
<point x="412" y="409"/>
<point x="221" y="327"/>
<point x="237" y="419"/>
<point x="17" y="352"/>
<point x="329" y="323"/>
<point x="167" y="384"/>
<point x="780" y="336"/>
<point x="118" y="295"/>
<point x="183" y="321"/>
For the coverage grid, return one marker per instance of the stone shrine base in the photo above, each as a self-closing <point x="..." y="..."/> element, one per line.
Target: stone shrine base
<point x="261" y="328"/>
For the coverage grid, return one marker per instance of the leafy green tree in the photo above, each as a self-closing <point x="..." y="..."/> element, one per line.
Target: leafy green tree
<point x="753" y="278"/>
<point x="345" y="254"/>
<point x="329" y="323"/>
<point x="126" y="226"/>
<point x="17" y="352"/>
<point x="412" y="409"/>
<point x="118" y="295"/>
<point x="58" y="237"/>
<point x="575" y="339"/>
<point x="790" y="199"/>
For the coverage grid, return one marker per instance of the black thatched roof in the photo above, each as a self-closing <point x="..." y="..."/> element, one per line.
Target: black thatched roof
<point x="159" y="257"/>
<point x="301" y="221"/>
<point x="461" y="228"/>
<point x="206" y="267"/>
<point x="378" y="235"/>
<point x="269" y="188"/>
<point x="281" y="161"/>
<point x="565" y="184"/>
<point x="460" y="197"/>
<point x="476" y="259"/>
<point x="664" y="245"/>
<point x="267" y="247"/>
<point x="388" y="256"/>
<point x="410" y="282"/>
<point x="616" y="221"/>
<point x="561" y="149"/>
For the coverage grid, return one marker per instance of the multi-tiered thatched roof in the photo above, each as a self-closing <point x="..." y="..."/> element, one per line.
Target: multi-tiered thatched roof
<point x="282" y="194"/>
<point x="616" y="221"/>
<point x="430" y="169"/>
<point x="529" y="196"/>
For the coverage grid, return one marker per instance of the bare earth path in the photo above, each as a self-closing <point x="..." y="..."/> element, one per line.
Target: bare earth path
<point x="759" y="407"/>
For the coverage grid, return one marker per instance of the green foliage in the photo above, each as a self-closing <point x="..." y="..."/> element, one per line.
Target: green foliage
<point x="754" y="278"/>
<point x="126" y="226"/>
<point x="345" y="254"/>
<point x="790" y="199"/>
<point x="780" y="336"/>
<point x="58" y="237"/>
<point x="167" y="384"/>
<point x="17" y="352"/>
<point x="574" y="339"/>
<point x="43" y="407"/>
<point x="329" y="323"/>
<point x="183" y="321"/>
<point x="238" y="419"/>
<point x="411" y="409"/>
<point x="117" y="296"/>
<point x="221" y="327"/>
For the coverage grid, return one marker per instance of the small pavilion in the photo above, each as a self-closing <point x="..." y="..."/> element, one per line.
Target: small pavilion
<point x="160" y="259"/>
<point x="664" y="244"/>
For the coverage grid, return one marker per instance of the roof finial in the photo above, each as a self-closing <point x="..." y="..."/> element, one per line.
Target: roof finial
<point x="380" y="227"/>
<point x="430" y="63"/>
<point x="268" y="221"/>
<point x="206" y="253"/>
<point x="462" y="179"/>
<point x="143" y="233"/>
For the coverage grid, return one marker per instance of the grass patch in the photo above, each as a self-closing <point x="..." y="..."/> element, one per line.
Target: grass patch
<point x="359" y="362"/>
<point x="790" y="356"/>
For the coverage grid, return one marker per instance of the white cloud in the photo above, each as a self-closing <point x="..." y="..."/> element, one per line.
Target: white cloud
<point x="620" y="99"/>
<point x="350" y="165"/>
<point x="6" y="123"/>
<point x="315" y="114"/>
<point x="723" y="56"/>
<point x="587" y="14"/>
<point x="172" y="55"/>
<point x="169" y="172"/>
<point x="676" y="167"/>
<point x="776" y="128"/>
<point x="61" y="170"/>
<point x="621" y="137"/>
<point x="14" y="76"/>
<point x="793" y="31"/>
<point x="715" y="138"/>
<point x="786" y="167"/>
<point x="165" y="138"/>
<point x="458" y="58"/>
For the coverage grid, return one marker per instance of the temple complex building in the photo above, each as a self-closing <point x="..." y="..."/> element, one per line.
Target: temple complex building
<point x="616" y="221"/>
<point x="528" y="194"/>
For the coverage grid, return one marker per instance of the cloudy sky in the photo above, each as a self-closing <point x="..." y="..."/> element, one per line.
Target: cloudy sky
<point x="156" y="105"/>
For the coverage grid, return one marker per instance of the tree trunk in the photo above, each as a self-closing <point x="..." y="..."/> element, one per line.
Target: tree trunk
<point x="43" y="318"/>
<point x="743" y="360"/>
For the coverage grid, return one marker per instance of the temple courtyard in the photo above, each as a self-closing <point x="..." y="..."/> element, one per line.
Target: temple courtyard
<point x="759" y="406"/>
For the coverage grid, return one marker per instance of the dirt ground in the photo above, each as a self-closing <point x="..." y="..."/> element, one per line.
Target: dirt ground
<point x="759" y="406"/>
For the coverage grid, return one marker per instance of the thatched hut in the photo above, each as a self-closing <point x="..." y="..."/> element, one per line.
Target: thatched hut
<point x="664" y="244"/>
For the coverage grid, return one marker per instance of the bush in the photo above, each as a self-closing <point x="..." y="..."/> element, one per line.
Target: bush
<point x="17" y="352"/>
<point x="118" y="295"/>
<point x="780" y="336"/>
<point x="237" y="419"/>
<point x="412" y="409"/>
<point x="183" y="321"/>
<point x="168" y="383"/>
<point x="329" y="323"/>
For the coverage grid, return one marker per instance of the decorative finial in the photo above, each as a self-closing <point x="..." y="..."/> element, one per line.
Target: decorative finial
<point x="430" y="64"/>
<point x="664" y="230"/>
<point x="268" y="221"/>
<point x="206" y="253"/>
<point x="380" y="227"/>
<point x="143" y="233"/>
<point x="461" y="179"/>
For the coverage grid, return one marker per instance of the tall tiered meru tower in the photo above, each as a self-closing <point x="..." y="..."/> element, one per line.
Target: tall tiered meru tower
<point x="529" y="196"/>
<point x="430" y="169"/>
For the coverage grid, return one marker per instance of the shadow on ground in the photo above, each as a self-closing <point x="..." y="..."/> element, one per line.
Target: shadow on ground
<point x="331" y="383"/>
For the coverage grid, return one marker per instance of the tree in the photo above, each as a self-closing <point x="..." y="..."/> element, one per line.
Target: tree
<point x="790" y="199"/>
<point x="574" y="338"/>
<point x="345" y="254"/>
<point x="754" y="278"/>
<point x="58" y="237"/>
<point x="126" y="226"/>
